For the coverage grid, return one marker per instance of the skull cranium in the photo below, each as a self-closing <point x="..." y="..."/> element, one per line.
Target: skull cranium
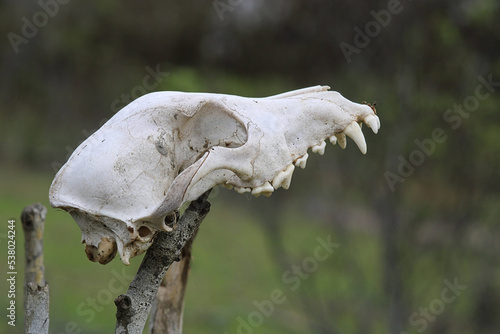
<point x="125" y="182"/>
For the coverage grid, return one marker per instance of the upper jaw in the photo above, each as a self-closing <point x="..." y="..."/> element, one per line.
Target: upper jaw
<point x="120" y="210"/>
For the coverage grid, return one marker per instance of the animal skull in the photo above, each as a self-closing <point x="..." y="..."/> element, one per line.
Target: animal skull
<point x="126" y="181"/>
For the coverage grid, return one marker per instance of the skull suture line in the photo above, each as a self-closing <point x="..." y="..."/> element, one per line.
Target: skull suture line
<point x="124" y="182"/>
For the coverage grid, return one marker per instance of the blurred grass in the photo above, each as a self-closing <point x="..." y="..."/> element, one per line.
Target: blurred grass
<point x="232" y="268"/>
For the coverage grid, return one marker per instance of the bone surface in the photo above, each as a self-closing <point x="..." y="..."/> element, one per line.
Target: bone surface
<point x="168" y="148"/>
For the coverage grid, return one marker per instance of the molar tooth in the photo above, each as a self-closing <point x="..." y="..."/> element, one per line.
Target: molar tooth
<point x="371" y="121"/>
<point x="283" y="178"/>
<point x="228" y="186"/>
<point x="333" y="140"/>
<point x="242" y="190"/>
<point x="353" y="130"/>
<point x="301" y="162"/>
<point x="320" y="148"/>
<point x="341" y="139"/>
<point x="266" y="189"/>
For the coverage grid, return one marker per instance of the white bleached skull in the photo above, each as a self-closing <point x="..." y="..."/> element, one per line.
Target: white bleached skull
<point x="124" y="183"/>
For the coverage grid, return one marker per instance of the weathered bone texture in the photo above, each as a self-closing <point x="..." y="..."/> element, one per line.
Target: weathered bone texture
<point x="124" y="183"/>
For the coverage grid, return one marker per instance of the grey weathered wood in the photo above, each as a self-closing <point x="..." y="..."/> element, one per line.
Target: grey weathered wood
<point x="36" y="289"/>
<point x="37" y="308"/>
<point x="134" y="306"/>
<point x="168" y="308"/>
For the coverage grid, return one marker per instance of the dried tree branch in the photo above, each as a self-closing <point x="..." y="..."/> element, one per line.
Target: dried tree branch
<point x="134" y="306"/>
<point x="36" y="289"/>
<point x="168" y="308"/>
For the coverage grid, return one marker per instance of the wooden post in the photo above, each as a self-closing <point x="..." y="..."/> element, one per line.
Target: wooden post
<point x="36" y="289"/>
<point x="134" y="306"/>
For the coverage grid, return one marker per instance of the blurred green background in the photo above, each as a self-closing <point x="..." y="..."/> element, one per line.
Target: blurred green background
<point x="418" y="213"/>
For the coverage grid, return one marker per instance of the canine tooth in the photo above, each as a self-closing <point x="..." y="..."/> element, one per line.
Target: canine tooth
<point x="266" y="189"/>
<point x="301" y="162"/>
<point x="320" y="149"/>
<point x="333" y="140"/>
<point x="242" y="190"/>
<point x="353" y="130"/>
<point x="341" y="139"/>
<point x="283" y="178"/>
<point x="371" y="121"/>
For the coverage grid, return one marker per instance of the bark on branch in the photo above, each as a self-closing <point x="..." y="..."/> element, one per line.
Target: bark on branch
<point x="36" y="289"/>
<point x="134" y="306"/>
<point x="168" y="308"/>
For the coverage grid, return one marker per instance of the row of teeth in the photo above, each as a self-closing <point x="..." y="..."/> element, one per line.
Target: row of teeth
<point x="354" y="132"/>
<point x="284" y="178"/>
